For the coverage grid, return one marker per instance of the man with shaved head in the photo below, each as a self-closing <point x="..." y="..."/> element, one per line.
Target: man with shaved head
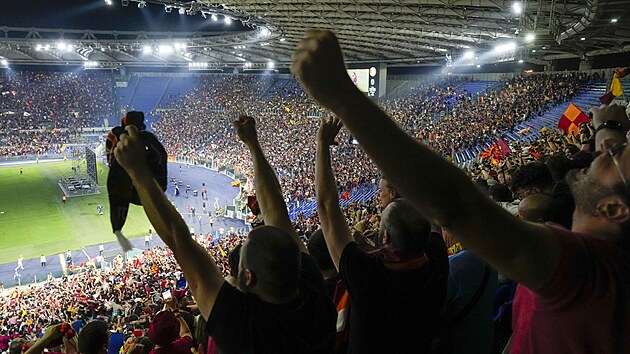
<point x="281" y="305"/>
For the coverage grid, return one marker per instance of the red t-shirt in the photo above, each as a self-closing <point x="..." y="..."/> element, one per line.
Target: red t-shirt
<point x="585" y="306"/>
<point x="180" y="346"/>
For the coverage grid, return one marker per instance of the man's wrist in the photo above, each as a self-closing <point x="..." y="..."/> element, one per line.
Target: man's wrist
<point x="140" y="175"/>
<point x="347" y="92"/>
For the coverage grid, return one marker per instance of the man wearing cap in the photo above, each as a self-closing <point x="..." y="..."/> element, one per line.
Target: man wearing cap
<point x="170" y="333"/>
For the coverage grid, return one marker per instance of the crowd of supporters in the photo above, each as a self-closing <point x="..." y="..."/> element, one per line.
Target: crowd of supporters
<point x="396" y="269"/>
<point x="447" y="119"/>
<point x="125" y="296"/>
<point x="39" y="112"/>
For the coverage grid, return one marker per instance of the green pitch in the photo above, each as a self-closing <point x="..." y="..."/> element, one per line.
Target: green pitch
<point x="33" y="219"/>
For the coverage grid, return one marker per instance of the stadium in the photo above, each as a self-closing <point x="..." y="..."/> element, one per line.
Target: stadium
<point x="451" y="173"/>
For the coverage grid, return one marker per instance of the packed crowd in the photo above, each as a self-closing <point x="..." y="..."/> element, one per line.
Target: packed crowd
<point x="55" y="100"/>
<point x="434" y="265"/>
<point x="39" y="112"/>
<point x="126" y="296"/>
<point x="442" y="116"/>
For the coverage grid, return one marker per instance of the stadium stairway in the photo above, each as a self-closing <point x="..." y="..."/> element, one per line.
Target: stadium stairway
<point x="475" y="87"/>
<point x="587" y="97"/>
<point x="148" y="93"/>
<point x="359" y="195"/>
<point x="275" y="87"/>
<point x="176" y="88"/>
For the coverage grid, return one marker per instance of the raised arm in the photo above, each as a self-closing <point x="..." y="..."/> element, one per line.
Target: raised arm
<point x="336" y="231"/>
<point x="525" y="252"/>
<point x="201" y="272"/>
<point x="268" y="192"/>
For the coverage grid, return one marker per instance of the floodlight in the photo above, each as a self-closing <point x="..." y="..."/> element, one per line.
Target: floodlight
<point x="516" y="8"/>
<point x="181" y="11"/>
<point x="165" y="49"/>
<point x="469" y="55"/>
<point x="264" y="32"/>
<point x="147" y="49"/>
<point x="214" y="18"/>
<point x="530" y="37"/>
<point x="271" y="65"/>
<point x="228" y="20"/>
<point x="505" y="47"/>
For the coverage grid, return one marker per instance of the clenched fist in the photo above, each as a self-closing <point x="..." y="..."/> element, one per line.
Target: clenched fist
<point x="246" y="129"/>
<point x="130" y="152"/>
<point x="318" y="63"/>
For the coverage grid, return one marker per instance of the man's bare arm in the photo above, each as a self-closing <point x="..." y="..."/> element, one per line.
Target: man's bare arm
<point x="525" y="252"/>
<point x="202" y="274"/>
<point x="268" y="191"/>
<point x="336" y="231"/>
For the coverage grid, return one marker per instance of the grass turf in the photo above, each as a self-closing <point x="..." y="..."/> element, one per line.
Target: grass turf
<point x="34" y="221"/>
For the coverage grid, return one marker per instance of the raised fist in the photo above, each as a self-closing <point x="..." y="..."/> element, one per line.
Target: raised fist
<point x="246" y="129"/>
<point x="318" y="63"/>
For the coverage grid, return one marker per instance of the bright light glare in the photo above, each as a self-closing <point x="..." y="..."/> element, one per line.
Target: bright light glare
<point x="505" y="47"/>
<point x="214" y="18"/>
<point x="469" y="55"/>
<point x="61" y="46"/>
<point x="264" y="31"/>
<point x="530" y="37"/>
<point x="109" y="2"/>
<point x="516" y="8"/>
<point x="147" y="49"/>
<point x="228" y="21"/>
<point x="613" y="20"/>
<point x="4" y="62"/>
<point x="271" y="65"/>
<point x="520" y="61"/>
<point x="165" y="49"/>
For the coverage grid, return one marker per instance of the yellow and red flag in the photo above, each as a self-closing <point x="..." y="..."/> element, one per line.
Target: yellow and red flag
<point x="496" y="152"/>
<point x="571" y="118"/>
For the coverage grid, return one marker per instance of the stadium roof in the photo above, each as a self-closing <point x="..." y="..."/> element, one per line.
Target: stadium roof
<point x="110" y="33"/>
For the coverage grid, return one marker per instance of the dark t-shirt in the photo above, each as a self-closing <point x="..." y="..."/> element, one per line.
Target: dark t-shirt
<point x="242" y="323"/>
<point x="393" y="311"/>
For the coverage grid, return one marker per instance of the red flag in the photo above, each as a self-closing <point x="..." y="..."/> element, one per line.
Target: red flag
<point x="571" y="119"/>
<point x="496" y="151"/>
